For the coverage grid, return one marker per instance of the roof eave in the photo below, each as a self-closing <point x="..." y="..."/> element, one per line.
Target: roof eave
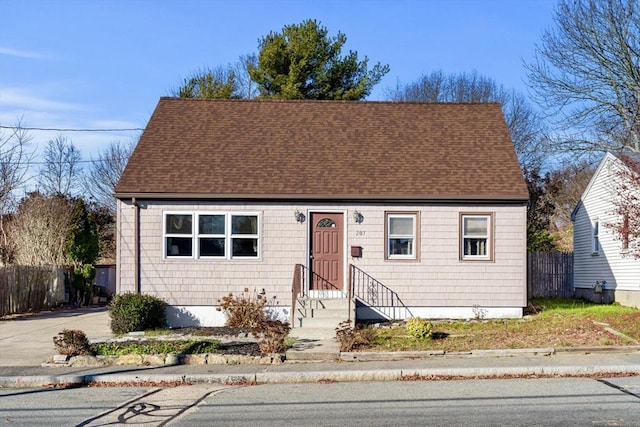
<point x="321" y="197"/>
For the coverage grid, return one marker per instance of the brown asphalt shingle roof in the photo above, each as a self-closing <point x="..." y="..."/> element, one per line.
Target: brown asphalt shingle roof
<point x="324" y="149"/>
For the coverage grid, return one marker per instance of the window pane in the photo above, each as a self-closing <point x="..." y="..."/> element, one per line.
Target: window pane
<point x="244" y="224"/>
<point x="245" y="247"/>
<point x="211" y="224"/>
<point x="401" y="226"/>
<point x="179" y="246"/>
<point x="178" y="224"/>
<point x="475" y="226"/>
<point x="212" y="247"/>
<point x="400" y="246"/>
<point x="325" y="222"/>
<point x="475" y="247"/>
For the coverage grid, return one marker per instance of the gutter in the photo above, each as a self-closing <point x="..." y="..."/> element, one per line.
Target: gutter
<point x="324" y="197"/>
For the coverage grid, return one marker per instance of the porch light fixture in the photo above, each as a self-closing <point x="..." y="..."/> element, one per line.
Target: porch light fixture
<point x="300" y="217"/>
<point x="358" y="217"/>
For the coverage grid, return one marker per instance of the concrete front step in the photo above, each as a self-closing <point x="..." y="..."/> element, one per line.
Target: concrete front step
<point x="313" y="333"/>
<point x="329" y="313"/>
<point x="314" y="349"/>
<point x="325" y="303"/>
<point x="320" y="322"/>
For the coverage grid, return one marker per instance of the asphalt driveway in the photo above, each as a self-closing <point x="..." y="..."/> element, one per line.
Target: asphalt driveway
<point x="28" y="340"/>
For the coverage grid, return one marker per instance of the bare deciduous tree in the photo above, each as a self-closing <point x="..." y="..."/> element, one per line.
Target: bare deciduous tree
<point x="15" y="158"/>
<point x="586" y="73"/>
<point x="246" y="88"/>
<point x="524" y="123"/>
<point x="103" y="175"/>
<point x="39" y="229"/>
<point x="61" y="169"/>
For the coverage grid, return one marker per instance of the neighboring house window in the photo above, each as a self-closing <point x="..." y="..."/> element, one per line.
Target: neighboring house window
<point x="625" y="233"/>
<point x="596" y="237"/>
<point x="476" y="238"/>
<point x="217" y="235"/>
<point x="401" y="235"/>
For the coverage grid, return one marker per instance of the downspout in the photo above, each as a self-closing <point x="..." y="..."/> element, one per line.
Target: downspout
<point x="136" y="245"/>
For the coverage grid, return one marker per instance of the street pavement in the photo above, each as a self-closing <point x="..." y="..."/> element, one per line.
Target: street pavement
<point x="27" y="342"/>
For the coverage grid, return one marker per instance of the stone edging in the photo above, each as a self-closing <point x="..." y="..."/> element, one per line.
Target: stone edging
<point x="164" y="359"/>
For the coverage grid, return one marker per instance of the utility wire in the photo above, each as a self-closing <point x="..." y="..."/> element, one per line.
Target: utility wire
<point x="70" y="129"/>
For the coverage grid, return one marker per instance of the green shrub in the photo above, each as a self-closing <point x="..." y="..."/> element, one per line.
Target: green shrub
<point x="71" y="342"/>
<point x="136" y="312"/>
<point x="419" y="328"/>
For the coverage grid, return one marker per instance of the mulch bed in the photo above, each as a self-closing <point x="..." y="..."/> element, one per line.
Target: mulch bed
<point x="226" y="347"/>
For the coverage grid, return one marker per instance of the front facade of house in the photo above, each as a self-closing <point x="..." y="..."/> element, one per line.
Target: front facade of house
<point x="424" y="200"/>
<point x="603" y="271"/>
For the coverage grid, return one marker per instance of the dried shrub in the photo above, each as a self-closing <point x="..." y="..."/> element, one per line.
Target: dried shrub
<point x="352" y="338"/>
<point x="419" y="328"/>
<point x="245" y="310"/>
<point x="271" y="335"/>
<point x="71" y="342"/>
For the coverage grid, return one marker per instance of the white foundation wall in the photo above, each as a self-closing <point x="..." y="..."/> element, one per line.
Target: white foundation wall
<point x="438" y="280"/>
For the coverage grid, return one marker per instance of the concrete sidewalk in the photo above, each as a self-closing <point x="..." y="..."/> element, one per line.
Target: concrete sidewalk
<point x="25" y="343"/>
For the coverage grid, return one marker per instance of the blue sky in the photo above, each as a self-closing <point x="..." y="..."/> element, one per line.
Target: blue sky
<point x="103" y="64"/>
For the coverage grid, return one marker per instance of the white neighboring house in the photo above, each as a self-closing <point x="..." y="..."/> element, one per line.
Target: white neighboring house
<point x="603" y="269"/>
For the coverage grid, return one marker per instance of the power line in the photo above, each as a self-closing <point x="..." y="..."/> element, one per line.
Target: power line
<point x="72" y="130"/>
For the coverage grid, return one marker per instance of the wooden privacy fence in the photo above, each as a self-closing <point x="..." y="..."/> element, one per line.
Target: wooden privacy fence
<point x="24" y="289"/>
<point x="550" y="275"/>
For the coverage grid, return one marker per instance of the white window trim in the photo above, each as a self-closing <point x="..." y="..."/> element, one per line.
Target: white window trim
<point x="389" y="236"/>
<point x="488" y="236"/>
<point x="195" y="236"/>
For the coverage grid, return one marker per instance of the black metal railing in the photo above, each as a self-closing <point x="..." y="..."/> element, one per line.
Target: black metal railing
<point x="374" y="294"/>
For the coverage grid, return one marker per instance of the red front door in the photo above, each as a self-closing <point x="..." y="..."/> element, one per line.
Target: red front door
<point x="327" y="251"/>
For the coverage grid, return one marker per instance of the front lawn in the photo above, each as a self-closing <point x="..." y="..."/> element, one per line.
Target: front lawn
<point x="554" y="323"/>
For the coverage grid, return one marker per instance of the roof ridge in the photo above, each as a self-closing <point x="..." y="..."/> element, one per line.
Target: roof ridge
<point x="322" y="101"/>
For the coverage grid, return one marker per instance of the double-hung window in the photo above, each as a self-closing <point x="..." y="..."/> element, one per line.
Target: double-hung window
<point x="244" y="236"/>
<point x="212" y="235"/>
<point x="595" y="250"/>
<point x="401" y="235"/>
<point x="476" y="237"/>
<point x="178" y="234"/>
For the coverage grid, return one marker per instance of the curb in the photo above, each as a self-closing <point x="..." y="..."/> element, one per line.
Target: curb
<point x="61" y="381"/>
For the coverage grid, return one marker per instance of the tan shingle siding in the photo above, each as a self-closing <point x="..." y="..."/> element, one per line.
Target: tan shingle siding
<point x="328" y="149"/>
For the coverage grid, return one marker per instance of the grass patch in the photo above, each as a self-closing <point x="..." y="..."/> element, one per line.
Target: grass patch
<point x="155" y="347"/>
<point x="557" y="323"/>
